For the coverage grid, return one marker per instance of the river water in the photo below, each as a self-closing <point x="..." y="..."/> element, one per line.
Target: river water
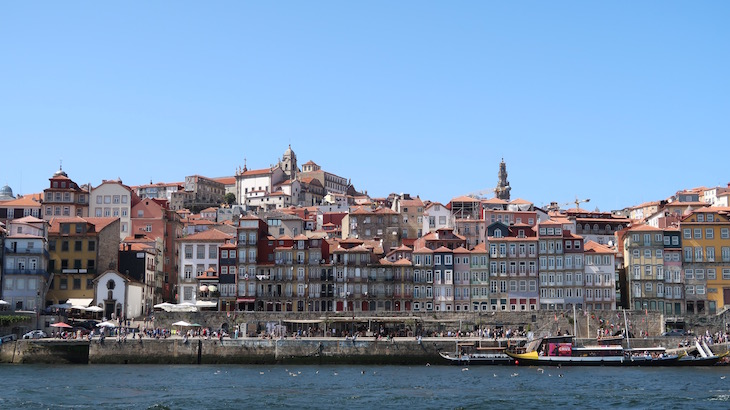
<point x="347" y="387"/>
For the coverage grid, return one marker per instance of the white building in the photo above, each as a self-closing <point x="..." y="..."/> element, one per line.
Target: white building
<point x="435" y="217"/>
<point x="118" y="295"/>
<point x="114" y="199"/>
<point x="198" y="253"/>
<point x="600" y="277"/>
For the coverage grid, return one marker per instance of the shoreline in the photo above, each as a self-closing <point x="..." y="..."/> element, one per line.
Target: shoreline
<point x="249" y="350"/>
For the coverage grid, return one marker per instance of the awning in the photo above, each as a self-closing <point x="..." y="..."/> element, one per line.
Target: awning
<point x="302" y="321"/>
<point x="80" y="302"/>
<point x="396" y="319"/>
<point x="245" y="300"/>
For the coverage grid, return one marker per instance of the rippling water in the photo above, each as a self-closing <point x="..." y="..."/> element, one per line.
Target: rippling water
<point x="234" y="387"/>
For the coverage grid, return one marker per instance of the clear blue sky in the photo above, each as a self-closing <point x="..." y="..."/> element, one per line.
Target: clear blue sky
<point x="621" y="102"/>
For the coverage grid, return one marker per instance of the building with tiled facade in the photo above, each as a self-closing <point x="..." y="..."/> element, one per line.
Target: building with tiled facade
<point x="24" y="275"/>
<point x="513" y="267"/>
<point x="643" y="247"/>
<point x="706" y="259"/>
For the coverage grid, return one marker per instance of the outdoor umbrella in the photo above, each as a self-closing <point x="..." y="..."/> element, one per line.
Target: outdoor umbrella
<point x="62" y="325"/>
<point x="94" y="309"/>
<point x="106" y="324"/>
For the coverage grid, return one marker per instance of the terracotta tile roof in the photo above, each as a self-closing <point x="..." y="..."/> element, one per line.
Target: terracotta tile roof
<point x="21" y="202"/>
<point x="137" y="247"/>
<point x="464" y="198"/>
<point x="310" y="162"/>
<point x="253" y="172"/>
<point x="412" y="202"/>
<point x="386" y="211"/>
<point x="28" y="219"/>
<point x="208" y="235"/>
<point x="402" y="262"/>
<point x="520" y="201"/>
<point x="480" y="248"/>
<point x="443" y="249"/>
<point x="229" y="245"/>
<point x="461" y="250"/>
<point x="99" y="223"/>
<point x="642" y="228"/>
<point x="226" y="180"/>
<point x="423" y="250"/>
<point x="402" y="248"/>
<point x="494" y="201"/>
<point x="595" y="247"/>
<point x="301" y="237"/>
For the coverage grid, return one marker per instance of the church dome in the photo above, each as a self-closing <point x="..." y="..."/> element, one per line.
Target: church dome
<point x="6" y="193"/>
<point x="59" y="173"/>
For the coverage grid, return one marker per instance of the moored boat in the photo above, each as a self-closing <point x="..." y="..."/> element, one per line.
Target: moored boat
<point x="471" y="354"/>
<point x="703" y="356"/>
<point x="563" y="351"/>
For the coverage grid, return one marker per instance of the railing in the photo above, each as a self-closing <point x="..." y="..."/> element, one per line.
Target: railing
<point x="25" y="272"/>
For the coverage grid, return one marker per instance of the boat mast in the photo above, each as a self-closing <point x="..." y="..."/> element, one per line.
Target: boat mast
<point x="575" y="322"/>
<point x="626" y="331"/>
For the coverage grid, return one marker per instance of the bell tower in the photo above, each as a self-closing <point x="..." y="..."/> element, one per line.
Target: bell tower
<point x="289" y="163"/>
<point x="503" y="188"/>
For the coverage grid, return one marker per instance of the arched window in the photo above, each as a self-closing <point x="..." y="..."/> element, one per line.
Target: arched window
<point x="110" y="284"/>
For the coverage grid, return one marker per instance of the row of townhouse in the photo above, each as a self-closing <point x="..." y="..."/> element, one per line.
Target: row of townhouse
<point x="519" y="268"/>
<point x="678" y="270"/>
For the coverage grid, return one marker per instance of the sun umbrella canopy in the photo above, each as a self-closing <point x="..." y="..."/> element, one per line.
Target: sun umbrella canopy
<point x="182" y="323"/>
<point x="62" y="325"/>
<point x="94" y="309"/>
<point x="2" y="302"/>
<point x="106" y="324"/>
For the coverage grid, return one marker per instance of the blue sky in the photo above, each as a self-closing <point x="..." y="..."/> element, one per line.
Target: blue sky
<point x="621" y="102"/>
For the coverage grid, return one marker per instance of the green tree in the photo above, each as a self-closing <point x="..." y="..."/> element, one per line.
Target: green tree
<point x="230" y="198"/>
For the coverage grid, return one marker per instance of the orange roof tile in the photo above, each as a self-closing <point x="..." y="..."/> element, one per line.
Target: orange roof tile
<point x="208" y="235"/>
<point x="464" y="198"/>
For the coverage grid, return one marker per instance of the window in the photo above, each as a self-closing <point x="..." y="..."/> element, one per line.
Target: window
<point x="698" y="233"/>
<point x="709" y="233"/>
<point x="725" y="233"/>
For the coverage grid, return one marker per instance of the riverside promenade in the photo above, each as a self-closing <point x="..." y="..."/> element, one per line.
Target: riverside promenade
<point x="310" y="350"/>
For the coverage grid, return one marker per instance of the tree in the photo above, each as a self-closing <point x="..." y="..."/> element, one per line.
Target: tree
<point x="230" y="198"/>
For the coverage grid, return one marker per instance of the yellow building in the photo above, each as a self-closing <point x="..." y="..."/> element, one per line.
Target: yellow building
<point x="79" y="249"/>
<point x="706" y="259"/>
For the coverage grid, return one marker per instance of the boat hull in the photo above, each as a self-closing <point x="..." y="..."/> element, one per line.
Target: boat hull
<point x="477" y="359"/>
<point x="532" y="359"/>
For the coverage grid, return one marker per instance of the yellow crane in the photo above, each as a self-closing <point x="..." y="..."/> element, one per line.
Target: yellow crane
<point x="577" y="202"/>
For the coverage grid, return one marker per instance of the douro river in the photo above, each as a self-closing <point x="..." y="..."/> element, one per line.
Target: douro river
<point x="355" y="387"/>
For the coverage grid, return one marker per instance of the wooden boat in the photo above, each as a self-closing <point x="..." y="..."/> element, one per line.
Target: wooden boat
<point x="470" y="354"/>
<point x="563" y="351"/>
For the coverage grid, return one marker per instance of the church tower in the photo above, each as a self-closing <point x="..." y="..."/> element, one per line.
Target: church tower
<point x="503" y="188"/>
<point x="289" y="163"/>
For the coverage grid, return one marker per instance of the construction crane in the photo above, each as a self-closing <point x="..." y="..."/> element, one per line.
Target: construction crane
<point x="577" y="202"/>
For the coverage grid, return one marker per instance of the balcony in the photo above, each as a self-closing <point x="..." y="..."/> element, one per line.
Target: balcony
<point x="25" y="272"/>
<point x="26" y="251"/>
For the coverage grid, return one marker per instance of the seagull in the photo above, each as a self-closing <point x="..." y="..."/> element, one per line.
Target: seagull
<point x="464" y="369"/>
<point x="541" y="370"/>
<point x="261" y="372"/>
<point x="495" y="374"/>
<point x="317" y="372"/>
<point x="722" y="377"/>
<point x="560" y="375"/>
<point x="515" y="374"/>
<point x="335" y="373"/>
